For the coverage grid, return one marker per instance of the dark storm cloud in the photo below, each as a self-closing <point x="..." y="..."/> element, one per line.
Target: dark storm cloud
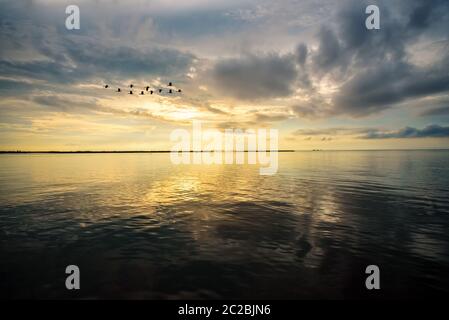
<point x="373" y="67"/>
<point x="301" y="53"/>
<point x="86" y="59"/>
<point x="425" y="12"/>
<point x="372" y="90"/>
<point x="368" y="70"/>
<point x="374" y="133"/>
<point x="364" y="47"/>
<point x="256" y="77"/>
<point x="330" y="53"/>
<point x="128" y="61"/>
<point x="380" y="73"/>
<point x="432" y="131"/>
<point x="49" y="52"/>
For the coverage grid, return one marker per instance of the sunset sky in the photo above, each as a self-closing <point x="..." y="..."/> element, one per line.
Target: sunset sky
<point x="307" y="68"/>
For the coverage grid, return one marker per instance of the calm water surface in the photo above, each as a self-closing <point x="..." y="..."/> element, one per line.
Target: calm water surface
<point x="140" y="227"/>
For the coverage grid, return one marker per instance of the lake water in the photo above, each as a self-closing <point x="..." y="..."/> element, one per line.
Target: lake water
<point x="139" y="227"/>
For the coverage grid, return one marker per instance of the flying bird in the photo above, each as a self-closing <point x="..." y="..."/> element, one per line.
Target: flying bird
<point x="170" y="89"/>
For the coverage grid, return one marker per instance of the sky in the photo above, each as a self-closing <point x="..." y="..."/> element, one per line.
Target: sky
<point x="310" y="69"/>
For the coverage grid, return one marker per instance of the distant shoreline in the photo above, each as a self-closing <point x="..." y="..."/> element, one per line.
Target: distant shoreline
<point x="192" y="151"/>
<point x="156" y="151"/>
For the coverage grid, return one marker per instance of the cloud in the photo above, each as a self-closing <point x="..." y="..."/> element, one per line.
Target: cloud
<point x="425" y="12"/>
<point x="36" y="45"/>
<point x="128" y="61"/>
<point x="330" y="53"/>
<point x="301" y="53"/>
<point x="376" y="69"/>
<point x="256" y="77"/>
<point x="376" y="89"/>
<point x="69" y="103"/>
<point x="13" y="86"/>
<point x="296" y="59"/>
<point x="86" y="60"/>
<point x="315" y="106"/>
<point x="76" y="105"/>
<point x="437" y="111"/>
<point x="271" y="117"/>
<point x="435" y="131"/>
<point x="431" y="131"/>
<point x="331" y="131"/>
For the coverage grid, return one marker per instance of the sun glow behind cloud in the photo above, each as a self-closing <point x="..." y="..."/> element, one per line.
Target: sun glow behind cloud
<point x="287" y="65"/>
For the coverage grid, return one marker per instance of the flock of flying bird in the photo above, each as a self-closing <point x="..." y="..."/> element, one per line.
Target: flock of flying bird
<point x="148" y="90"/>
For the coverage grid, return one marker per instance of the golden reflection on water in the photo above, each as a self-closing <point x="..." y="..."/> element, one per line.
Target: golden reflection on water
<point x="304" y="179"/>
<point x="319" y="207"/>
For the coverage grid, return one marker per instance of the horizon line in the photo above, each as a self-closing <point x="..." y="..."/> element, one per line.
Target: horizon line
<point x="141" y="151"/>
<point x="203" y="151"/>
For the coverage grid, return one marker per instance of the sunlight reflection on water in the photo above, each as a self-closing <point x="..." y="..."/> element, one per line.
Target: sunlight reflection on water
<point x="140" y="227"/>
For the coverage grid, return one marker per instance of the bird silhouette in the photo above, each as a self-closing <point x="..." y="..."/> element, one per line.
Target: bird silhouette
<point x="170" y="89"/>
